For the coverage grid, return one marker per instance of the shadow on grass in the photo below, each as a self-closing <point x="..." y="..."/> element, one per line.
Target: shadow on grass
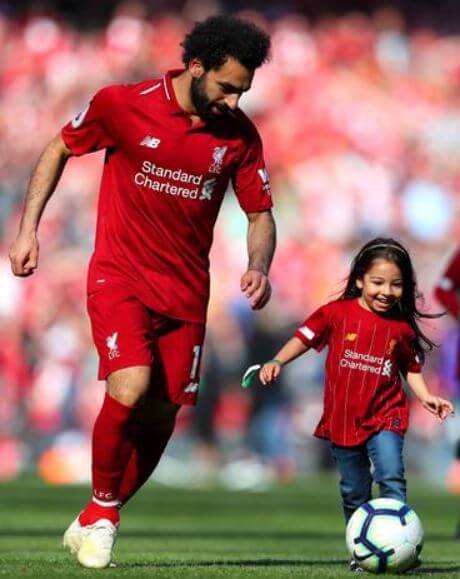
<point x="432" y="568"/>
<point x="204" y="535"/>
<point x="426" y="570"/>
<point x="236" y="563"/>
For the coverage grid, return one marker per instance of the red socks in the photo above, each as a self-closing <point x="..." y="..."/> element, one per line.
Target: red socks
<point x="93" y="512"/>
<point x="111" y="449"/>
<point x="147" y="448"/>
<point x="125" y="453"/>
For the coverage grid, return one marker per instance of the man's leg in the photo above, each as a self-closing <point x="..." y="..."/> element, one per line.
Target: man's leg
<point x="385" y="451"/>
<point x="154" y="426"/>
<point x="93" y="533"/>
<point x="112" y="440"/>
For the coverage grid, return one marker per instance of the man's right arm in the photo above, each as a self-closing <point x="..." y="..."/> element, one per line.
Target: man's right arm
<point x="43" y="181"/>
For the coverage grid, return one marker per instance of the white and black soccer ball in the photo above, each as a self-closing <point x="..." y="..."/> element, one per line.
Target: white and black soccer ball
<point x="385" y="536"/>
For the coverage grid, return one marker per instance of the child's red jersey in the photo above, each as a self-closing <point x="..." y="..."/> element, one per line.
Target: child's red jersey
<point x="367" y="352"/>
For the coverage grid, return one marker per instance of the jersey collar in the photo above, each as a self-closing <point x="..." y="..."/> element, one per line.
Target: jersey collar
<point x="170" y="96"/>
<point x="169" y="93"/>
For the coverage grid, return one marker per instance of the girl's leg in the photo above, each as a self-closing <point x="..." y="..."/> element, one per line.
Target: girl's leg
<point x="385" y="451"/>
<point x="355" y="477"/>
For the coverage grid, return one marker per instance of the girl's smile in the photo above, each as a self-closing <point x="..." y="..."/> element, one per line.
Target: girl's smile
<point x="381" y="286"/>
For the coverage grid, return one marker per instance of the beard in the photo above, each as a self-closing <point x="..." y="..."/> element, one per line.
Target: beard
<point x="206" y="109"/>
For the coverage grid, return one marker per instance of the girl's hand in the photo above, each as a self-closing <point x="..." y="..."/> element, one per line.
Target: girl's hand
<point x="438" y="406"/>
<point x="270" y="371"/>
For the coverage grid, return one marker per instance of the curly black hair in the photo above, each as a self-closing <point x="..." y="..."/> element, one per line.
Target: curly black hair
<point x="219" y="37"/>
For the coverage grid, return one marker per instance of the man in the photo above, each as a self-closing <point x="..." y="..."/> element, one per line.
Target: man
<point x="447" y="292"/>
<point x="172" y="146"/>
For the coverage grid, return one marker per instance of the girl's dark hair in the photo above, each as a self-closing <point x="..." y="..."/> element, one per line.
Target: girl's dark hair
<point x="392" y="250"/>
<point x="218" y="37"/>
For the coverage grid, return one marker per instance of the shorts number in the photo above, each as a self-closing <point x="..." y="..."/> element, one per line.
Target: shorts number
<point x="195" y="363"/>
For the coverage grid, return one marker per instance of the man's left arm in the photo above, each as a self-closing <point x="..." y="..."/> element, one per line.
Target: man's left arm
<point x="261" y="247"/>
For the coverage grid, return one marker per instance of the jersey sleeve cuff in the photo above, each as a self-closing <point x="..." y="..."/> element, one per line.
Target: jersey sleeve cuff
<point x="303" y="337"/>
<point x="68" y="144"/>
<point x="265" y="206"/>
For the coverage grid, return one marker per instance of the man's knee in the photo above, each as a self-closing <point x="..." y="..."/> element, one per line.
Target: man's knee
<point x="129" y="385"/>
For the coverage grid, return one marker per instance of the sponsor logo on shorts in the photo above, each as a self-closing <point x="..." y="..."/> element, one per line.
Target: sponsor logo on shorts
<point x="112" y="345"/>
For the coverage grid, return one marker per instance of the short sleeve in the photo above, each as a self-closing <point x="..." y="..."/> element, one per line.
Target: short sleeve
<point x="409" y="360"/>
<point x="90" y="131"/>
<point x="314" y="332"/>
<point x="250" y="178"/>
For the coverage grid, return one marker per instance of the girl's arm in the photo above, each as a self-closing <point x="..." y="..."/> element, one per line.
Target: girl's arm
<point x="290" y="351"/>
<point x="435" y="404"/>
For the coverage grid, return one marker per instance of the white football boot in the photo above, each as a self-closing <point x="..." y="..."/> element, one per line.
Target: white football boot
<point x="74" y="536"/>
<point x="96" y="547"/>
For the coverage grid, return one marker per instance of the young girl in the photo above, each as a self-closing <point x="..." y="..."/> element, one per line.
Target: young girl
<point x="372" y="334"/>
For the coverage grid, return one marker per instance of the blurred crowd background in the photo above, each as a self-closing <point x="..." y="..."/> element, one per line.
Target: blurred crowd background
<point x="359" y="113"/>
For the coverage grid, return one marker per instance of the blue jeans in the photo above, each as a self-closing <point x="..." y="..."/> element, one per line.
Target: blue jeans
<point x="384" y="450"/>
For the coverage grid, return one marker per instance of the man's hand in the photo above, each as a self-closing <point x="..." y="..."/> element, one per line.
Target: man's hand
<point x="24" y="254"/>
<point x="44" y="178"/>
<point x="257" y="288"/>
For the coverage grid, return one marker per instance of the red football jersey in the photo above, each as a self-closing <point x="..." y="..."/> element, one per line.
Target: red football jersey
<point x="367" y="352"/>
<point x="162" y="186"/>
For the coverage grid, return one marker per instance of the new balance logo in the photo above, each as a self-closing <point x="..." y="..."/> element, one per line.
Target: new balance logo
<point x="351" y="337"/>
<point x="151" y="142"/>
<point x="263" y="174"/>
<point x="192" y="387"/>
<point x="387" y="367"/>
<point x="112" y="345"/>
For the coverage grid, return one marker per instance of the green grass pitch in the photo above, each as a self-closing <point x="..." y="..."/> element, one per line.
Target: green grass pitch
<point x="291" y="531"/>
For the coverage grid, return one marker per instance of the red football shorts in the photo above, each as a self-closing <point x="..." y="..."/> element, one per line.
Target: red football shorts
<point x="127" y="333"/>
